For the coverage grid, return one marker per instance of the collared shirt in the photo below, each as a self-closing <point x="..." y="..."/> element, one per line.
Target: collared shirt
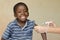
<point x="15" y="32"/>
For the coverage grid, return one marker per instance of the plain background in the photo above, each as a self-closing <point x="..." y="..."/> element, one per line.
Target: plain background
<point x="39" y="10"/>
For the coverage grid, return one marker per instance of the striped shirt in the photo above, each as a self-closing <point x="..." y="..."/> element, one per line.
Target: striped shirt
<point x="15" y="32"/>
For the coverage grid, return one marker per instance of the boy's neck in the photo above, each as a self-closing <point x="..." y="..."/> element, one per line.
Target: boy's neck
<point x="21" y="23"/>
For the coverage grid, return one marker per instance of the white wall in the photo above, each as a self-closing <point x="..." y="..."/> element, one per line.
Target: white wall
<point x="40" y="11"/>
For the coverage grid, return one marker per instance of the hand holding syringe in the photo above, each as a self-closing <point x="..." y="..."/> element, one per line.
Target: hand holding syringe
<point x="42" y="29"/>
<point x="50" y="24"/>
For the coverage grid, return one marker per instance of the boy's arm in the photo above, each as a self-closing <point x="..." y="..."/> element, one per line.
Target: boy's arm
<point x="2" y="39"/>
<point x="44" y="36"/>
<point x="7" y="34"/>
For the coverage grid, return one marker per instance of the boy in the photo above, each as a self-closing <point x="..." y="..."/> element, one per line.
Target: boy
<point x="21" y="28"/>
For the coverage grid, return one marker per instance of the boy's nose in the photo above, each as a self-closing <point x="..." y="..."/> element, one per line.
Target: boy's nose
<point x="23" y="12"/>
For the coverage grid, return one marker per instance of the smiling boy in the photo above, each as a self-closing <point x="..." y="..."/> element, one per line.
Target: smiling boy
<point x="21" y="28"/>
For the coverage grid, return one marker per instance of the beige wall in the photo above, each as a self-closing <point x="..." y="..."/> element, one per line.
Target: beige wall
<point x="40" y="11"/>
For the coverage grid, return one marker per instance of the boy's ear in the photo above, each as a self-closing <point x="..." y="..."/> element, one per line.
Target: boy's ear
<point x="28" y="13"/>
<point x="14" y="15"/>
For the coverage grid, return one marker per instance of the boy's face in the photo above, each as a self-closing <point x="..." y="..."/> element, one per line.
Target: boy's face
<point x="21" y="13"/>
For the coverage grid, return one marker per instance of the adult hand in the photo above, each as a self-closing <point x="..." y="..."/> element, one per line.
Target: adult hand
<point x="50" y="24"/>
<point x="40" y="29"/>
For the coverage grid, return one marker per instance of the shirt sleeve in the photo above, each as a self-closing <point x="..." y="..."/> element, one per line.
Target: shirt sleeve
<point x="36" y="24"/>
<point x="6" y="35"/>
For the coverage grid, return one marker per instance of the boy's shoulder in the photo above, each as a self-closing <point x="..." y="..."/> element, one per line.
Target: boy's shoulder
<point x="11" y="23"/>
<point x="30" y="20"/>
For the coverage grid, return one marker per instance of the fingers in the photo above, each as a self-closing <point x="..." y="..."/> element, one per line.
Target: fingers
<point x="40" y="29"/>
<point x="50" y="24"/>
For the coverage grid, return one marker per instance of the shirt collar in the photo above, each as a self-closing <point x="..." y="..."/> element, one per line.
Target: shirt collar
<point x="19" y="25"/>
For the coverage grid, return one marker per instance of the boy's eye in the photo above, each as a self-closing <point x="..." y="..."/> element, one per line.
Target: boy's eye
<point x="25" y="11"/>
<point x="19" y="12"/>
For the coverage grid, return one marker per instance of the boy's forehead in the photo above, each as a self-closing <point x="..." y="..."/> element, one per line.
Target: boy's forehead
<point x="21" y="7"/>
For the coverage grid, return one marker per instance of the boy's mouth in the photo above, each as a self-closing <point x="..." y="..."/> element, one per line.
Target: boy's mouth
<point x="23" y="17"/>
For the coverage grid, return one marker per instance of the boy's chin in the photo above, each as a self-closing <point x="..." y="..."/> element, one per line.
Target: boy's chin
<point x="23" y="20"/>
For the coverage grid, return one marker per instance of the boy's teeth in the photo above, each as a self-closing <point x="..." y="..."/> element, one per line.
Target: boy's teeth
<point x="23" y="17"/>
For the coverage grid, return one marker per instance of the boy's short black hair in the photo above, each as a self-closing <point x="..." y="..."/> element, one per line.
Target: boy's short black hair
<point x="18" y="4"/>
